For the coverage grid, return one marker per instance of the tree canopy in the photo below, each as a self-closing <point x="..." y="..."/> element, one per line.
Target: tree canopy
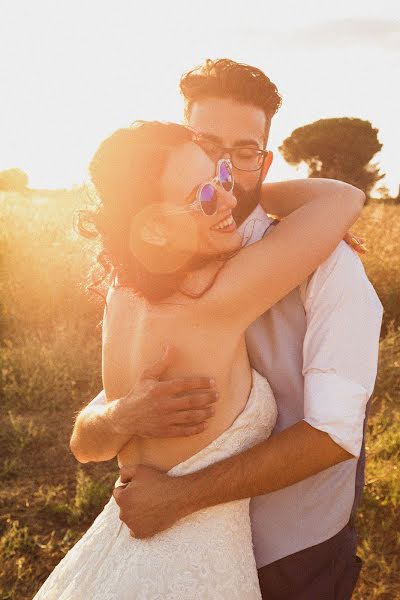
<point x="13" y="180"/>
<point x="339" y="148"/>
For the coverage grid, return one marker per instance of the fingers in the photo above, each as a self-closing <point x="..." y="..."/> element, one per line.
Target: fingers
<point x="356" y="242"/>
<point x="127" y="473"/>
<point x="190" y="402"/>
<point x="117" y="493"/>
<point x="192" y="417"/>
<point x="185" y="385"/>
<point x="185" y="430"/>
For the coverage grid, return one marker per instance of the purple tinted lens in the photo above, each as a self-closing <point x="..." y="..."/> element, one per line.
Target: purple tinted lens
<point x="225" y="176"/>
<point x="208" y="199"/>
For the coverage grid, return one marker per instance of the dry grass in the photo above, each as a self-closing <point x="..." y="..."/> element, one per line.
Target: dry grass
<point x="50" y="368"/>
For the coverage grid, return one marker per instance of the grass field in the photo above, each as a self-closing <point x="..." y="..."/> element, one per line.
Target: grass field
<point x="50" y="367"/>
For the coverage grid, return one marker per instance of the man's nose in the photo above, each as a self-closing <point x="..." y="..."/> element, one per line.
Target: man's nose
<point x="225" y="154"/>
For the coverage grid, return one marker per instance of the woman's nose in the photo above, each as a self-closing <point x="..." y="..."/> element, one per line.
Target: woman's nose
<point x="227" y="199"/>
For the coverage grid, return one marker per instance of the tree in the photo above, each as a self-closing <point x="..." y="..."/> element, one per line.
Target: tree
<point x="13" y="180"/>
<point x="340" y="148"/>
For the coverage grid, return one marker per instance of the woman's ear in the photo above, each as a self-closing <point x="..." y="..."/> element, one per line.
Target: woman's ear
<point x="162" y="245"/>
<point x="148" y="227"/>
<point x="266" y="165"/>
<point x="154" y="233"/>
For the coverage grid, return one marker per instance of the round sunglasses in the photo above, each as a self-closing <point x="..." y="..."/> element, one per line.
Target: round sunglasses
<point x="206" y="198"/>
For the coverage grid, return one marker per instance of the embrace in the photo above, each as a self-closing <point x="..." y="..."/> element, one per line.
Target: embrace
<point x="240" y="345"/>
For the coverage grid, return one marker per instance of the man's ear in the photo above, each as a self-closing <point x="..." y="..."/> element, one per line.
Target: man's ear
<point x="266" y="165"/>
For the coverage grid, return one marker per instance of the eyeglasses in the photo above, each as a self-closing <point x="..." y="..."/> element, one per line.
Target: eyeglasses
<point x="243" y="158"/>
<point x="206" y="198"/>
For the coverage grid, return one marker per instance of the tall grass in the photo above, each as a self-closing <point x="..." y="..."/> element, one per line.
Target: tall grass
<point x="50" y="356"/>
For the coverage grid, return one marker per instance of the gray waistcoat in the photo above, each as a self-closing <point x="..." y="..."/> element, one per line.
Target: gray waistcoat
<point x="315" y="509"/>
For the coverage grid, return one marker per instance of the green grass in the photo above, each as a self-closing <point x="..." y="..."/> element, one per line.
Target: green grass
<point x="379" y="515"/>
<point x="50" y="358"/>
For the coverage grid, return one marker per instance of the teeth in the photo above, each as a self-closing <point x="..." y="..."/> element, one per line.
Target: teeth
<point x="224" y="223"/>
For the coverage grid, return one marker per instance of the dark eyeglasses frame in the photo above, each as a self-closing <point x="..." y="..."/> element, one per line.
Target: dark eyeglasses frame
<point x="198" y="138"/>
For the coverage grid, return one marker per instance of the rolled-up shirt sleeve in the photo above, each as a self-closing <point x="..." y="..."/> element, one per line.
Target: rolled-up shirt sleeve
<point x="340" y="352"/>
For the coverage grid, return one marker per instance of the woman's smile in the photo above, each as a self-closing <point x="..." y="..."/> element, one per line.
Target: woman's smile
<point x="226" y="225"/>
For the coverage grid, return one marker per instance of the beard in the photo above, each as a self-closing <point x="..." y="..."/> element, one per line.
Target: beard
<point x="247" y="200"/>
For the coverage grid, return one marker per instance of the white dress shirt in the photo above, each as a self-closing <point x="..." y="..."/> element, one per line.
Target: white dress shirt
<point x="318" y="347"/>
<point x="344" y="317"/>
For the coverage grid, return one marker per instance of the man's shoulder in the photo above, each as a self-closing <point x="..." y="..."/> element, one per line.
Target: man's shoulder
<point x="342" y="261"/>
<point x="342" y="271"/>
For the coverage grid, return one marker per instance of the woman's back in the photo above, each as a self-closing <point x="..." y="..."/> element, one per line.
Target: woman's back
<point x="135" y="334"/>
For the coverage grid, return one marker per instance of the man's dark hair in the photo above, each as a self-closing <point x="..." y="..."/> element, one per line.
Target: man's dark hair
<point x="225" y="78"/>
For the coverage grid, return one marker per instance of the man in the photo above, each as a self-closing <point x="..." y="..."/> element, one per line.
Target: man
<point x="318" y="348"/>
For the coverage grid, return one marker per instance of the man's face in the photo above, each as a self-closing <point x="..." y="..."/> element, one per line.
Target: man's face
<point x="231" y="124"/>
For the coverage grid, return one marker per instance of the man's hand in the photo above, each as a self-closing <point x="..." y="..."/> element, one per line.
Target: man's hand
<point x="173" y="408"/>
<point x="150" y="501"/>
<point x="355" y="242"/>
<point x="177" y="407"/>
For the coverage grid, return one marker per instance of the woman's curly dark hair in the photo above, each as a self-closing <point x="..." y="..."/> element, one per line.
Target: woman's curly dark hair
<point x="126" y="172"/>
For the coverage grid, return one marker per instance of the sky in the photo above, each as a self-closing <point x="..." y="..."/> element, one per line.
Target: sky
<point x="73" y="71"/>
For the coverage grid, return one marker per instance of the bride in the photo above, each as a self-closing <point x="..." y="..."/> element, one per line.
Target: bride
<point x="167" y="233"/>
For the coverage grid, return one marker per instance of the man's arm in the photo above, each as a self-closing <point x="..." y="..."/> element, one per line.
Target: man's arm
<point x="151" y="501"/>
<point x="284" y="459"/>
<point x="178" y="407"/>
<point x="341" y="347"/>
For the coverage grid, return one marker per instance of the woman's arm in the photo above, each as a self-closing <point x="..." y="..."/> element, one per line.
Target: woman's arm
<point x="263" y="273"/>
<point x="118" y="337"/>
<point x="98" y="433"/>
<point x="283" y="197"/>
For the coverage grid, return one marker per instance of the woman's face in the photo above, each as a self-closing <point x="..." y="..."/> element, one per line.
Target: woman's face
<point x="187" y="167"/>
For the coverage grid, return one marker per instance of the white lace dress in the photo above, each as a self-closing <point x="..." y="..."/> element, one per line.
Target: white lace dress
<point x="205" y="556"/>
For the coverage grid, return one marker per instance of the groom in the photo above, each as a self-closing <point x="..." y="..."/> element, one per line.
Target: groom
<point x="318" y="347"/>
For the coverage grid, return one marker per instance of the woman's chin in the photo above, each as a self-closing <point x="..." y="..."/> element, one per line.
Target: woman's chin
<point x="220" y="242"/>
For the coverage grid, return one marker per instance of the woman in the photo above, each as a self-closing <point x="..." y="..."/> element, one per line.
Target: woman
<point x="165" y="220"/>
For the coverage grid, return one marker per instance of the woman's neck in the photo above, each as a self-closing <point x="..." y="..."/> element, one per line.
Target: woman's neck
<point x="196" y="282"/>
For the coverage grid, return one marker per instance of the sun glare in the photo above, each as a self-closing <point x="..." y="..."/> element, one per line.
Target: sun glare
<point x="76" y="72"/>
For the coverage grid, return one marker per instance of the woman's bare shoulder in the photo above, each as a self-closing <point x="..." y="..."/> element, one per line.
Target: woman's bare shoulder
<point x="121" y="310"/>
<point x="121" y="333"/>
<point x="121" y="295"/>
<point x="121" y="299"/>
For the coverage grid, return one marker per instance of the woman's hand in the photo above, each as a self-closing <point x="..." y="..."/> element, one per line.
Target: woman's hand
<point x="356" y="242"/>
